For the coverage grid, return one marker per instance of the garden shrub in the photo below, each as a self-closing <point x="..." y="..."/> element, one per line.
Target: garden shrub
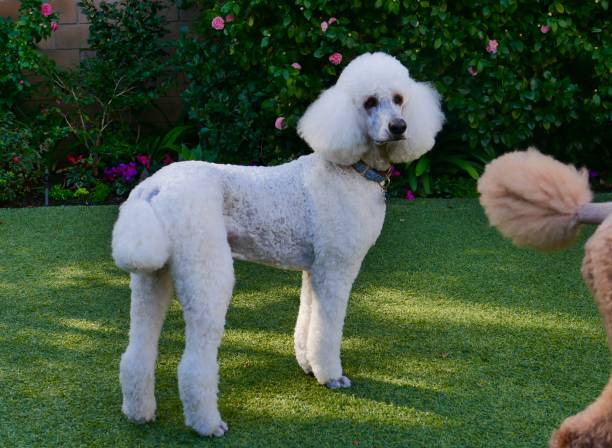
<point x="25" y="138"/>
<point x="128" y="68"/>
<point x="511" y="74"/>
<point x="18" y="52"/>
<point x="23" y="149"/>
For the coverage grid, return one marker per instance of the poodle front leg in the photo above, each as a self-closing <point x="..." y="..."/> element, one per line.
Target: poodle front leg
<point x="205" y="293"/>
<point x="303" y="321"/>
<point x="151" y="294"/>
<point x="330" y="293"/>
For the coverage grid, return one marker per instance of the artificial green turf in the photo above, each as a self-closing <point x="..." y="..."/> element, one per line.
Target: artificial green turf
<point x="453" y="338"/>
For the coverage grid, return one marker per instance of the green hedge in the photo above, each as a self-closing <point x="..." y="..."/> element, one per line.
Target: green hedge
<point x="548" y="82"/>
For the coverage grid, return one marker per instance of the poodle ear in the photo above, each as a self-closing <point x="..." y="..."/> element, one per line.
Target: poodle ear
<point x="333" y="127"/>
<point x="424" y="119"/>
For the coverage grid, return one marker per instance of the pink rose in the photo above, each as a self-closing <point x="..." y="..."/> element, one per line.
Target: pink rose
<point x="324" y="26"/>
<point x="409" y="195"/>
<point x="332" y="20"/>
<point x="544" y="29"/>
<point x="492" y="46"/>
<point x="46" y="9"/>
<point x="229" y="18"/>
<point x="296" y="65"/>
<point x="54" y="26"/>
<point x="218" y="23"/>
<point x="471" y="71"/>
<point x="335" y="58"/>
<point x="279" y="123"/>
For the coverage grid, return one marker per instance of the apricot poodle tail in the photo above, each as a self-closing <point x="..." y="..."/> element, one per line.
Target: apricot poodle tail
<point x="537" y="201"/>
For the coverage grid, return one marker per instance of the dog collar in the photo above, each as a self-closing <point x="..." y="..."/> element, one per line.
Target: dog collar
<point x="382" y="178"/>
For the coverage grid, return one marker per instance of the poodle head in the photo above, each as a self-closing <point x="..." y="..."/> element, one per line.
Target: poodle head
<point x="374" y="103"/>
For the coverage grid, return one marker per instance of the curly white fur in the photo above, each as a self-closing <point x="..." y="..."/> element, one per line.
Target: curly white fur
<point x="315" y="214"/>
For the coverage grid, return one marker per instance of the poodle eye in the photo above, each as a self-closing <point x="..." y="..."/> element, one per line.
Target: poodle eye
<point x="398" y="99"/>
<point x="370" y="103"/>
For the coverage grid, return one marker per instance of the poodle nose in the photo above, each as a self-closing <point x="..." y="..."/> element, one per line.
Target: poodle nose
<point x="397" y="126"/>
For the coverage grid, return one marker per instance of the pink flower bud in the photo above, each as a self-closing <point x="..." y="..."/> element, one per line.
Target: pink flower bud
<point x="229" y="18"/>
<point x="471" y="71"/>
<point x="54" y="26"/>
<point x="544" y="29"/>
<point x="279" y="123"/>
<point x="332" y="20"/>
<point x="296" y="65"/>
<point x="324" y="26"/>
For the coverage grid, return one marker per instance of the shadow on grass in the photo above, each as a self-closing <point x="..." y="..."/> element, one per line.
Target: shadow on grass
<point x="453" y="338"/>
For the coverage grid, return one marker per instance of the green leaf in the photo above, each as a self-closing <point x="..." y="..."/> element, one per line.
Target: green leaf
<point x="412" y="181"/>
<point x="426" y="184"/>
<point x="421" y="166"/>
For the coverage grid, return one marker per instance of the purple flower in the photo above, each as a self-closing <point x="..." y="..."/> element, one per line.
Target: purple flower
<point x="128" y="171"/>
<point x="394" y="172"/>
<point x="409" y="195"/>
<point x="111" y="173"/>
<point x="125" y="171"/>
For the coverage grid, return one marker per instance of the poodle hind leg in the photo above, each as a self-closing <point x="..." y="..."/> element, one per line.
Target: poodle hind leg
<point x="593" y="426"/>
<point x="330" y="292"/>
<point x="204" y="282"/>
<point x="151" y="295"/>
<point x="303" y="321"/>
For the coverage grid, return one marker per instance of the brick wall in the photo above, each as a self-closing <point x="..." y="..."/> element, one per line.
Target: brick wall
<point x="68" y="45"/>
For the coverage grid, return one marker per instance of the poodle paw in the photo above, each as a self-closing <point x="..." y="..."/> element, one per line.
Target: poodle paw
<point x="579" y="432"/>
<point x="307" y="370"/>
<point x="137" y="413"/>
<point x="339" y="383"/>
<point x="217" y="429"/>
<point x="220" y="430"/>
<point x="145" y="416"/>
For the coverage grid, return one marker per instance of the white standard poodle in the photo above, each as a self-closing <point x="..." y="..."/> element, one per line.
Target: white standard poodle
<point x="319" y="214"/>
